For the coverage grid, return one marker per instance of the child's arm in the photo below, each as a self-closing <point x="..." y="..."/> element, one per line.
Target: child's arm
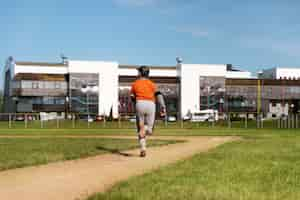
<point x="161" y="101"/>
<point x="132" y="94"/>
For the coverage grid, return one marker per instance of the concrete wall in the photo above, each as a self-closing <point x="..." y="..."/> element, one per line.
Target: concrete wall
<point x="190" y="83"/>
<point x="236" y="74"/>
<point x="153" y="72"/>
<point x="108" y="83"/>
<point x="39" y="69"/>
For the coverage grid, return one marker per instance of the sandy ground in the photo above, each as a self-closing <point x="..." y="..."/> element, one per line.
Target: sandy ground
<point x="81" y="178"/>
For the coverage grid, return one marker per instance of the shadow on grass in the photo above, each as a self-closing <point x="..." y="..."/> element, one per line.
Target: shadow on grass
<point x="115" y="151"/>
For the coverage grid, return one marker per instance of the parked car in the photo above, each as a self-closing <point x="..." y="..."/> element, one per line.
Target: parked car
<point x="99" y="118"/>
<point x="204" y="115"/>
<point x="20" y="118"/>
<point x="87" y="118"/>
<point x="171" y="119"/>
<point x="132" y="119"/>
<point x="186" y="118"/>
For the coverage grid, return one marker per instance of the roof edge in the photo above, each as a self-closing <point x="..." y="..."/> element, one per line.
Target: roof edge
<point x="41" y="64"/>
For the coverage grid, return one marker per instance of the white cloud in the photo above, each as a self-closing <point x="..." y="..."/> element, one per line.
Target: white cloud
<point x="192" y="30"/>
<point x="135" y="3"/>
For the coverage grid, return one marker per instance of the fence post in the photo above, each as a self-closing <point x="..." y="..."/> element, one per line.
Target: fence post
<point x="261" y="121"/>
<point x="57" y="122"/>
<point x="296" y="120"/>
<point x="246" y="121"/>
<point x="229" y="120"/>
<point x="166" y="122"/>
<point x="104" y="122"/>
<point x="213" y="121"/>
<point x="42" y="125"/>
<point x="25" y="120"/>
<point x="73" y="121"/>
<point x="9" y="121"/>
<point x="181" y="123"/>
<point x="119" y="122"/>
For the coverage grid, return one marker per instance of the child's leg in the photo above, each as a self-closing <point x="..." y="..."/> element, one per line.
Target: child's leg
<point x="140" y="116"/>
<point x="142" y="135"/>
<point x="150" y="119"/>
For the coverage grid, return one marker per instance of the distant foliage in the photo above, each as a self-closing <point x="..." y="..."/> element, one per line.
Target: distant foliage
<point x="1" y="101"/>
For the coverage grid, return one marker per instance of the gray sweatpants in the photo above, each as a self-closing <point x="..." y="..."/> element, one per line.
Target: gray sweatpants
<point x="145" y="113"/>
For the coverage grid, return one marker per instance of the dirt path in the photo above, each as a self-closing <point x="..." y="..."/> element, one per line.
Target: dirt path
<point x="79" y="179"/>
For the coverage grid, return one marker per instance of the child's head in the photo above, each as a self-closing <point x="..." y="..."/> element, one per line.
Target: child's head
<point x="143" y="71"/>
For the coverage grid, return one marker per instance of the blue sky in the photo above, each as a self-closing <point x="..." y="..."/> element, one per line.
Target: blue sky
<point x="251" y="34"/>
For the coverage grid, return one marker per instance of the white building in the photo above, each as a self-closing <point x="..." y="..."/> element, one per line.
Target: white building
<point x="56" y="87"/>
<point x="281" y="73"/>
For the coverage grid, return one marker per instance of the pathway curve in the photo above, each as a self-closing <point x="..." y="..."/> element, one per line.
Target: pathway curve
<point x="78" y="179"/>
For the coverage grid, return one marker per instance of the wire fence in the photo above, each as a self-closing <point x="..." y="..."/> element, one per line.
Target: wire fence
<point x="75" y="121"/>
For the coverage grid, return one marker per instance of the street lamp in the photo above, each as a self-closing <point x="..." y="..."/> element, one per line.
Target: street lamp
<point x="88" y="89"/>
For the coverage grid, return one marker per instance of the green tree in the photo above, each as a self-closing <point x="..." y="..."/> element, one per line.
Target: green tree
<point x="1" y="101"/>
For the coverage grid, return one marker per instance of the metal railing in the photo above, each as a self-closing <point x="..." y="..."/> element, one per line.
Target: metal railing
<point x="73" y="121"/>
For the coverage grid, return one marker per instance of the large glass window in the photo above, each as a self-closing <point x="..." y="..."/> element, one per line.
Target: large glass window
<point x="35" y="84"/>
<point x="41" y="84"/>
<point x="48" y="100"/>
<point x="57" y="85"/>
<point x="37" y="100"/>
<point x="27" y="84"/>
<point x="63" y="85"/>
<point x="59" y="101"/>
<point x="212" y="93"/>
<point x="241" y="98"/>
<point x="83" y="102"/>
<point x="50" y="84"/>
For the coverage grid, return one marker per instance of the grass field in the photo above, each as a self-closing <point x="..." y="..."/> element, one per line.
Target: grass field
<point x="20" y="152"/>
<point x="158" y="131"/>
<point x="264" y="165"/>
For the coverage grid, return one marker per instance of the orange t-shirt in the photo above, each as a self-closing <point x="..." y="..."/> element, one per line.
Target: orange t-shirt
<point x="143" y="89"/>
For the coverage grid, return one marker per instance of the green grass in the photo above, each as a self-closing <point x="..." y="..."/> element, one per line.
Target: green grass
<point x="65" y="127"/>
<point x="20" y="152"/>
<point x="157" y="131"/>
<point x="264" y="166"/>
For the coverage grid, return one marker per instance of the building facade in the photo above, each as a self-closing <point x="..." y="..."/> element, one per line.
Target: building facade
<point x="62" y="87"/>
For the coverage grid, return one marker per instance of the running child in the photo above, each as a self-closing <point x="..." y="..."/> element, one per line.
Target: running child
<point x="145" y="95"/>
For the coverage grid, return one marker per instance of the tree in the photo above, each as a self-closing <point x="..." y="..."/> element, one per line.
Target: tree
<point x="1" y="101"/>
